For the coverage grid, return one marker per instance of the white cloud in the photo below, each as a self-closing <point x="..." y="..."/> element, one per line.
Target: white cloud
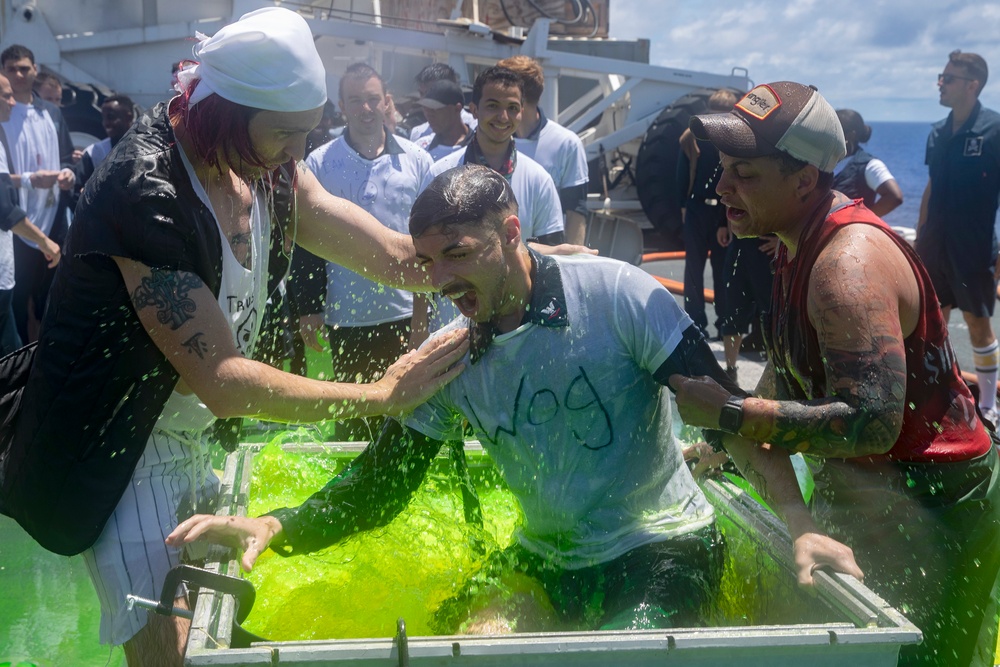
<point x="876" y="56"/>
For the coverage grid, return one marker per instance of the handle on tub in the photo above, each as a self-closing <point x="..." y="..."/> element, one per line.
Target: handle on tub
<point x="241" y="589"/>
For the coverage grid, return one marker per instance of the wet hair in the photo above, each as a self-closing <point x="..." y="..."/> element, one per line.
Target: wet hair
<point x="215" y="126"/>
<point x="436" y="72"/>
<point x="16" y="52"/>
<point x="852" y="121"/>
<point x="532" y="76"/>
<point x="360" y="72"/>
<point x="469" y="195"/>
<point x="973" y="64"/>
<point x="721" y="101"/>
<point x="498" y="76"/>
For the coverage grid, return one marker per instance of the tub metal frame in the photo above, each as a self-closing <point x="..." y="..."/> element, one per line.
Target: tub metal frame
<point x="869" y="632"/>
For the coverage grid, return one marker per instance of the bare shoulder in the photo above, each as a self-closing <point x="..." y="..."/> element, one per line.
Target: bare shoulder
<point x="863" y="258"/>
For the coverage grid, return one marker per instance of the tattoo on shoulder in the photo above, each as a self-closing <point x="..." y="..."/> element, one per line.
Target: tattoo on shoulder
<point x="169" y="293"/>
<point x="195" y="345"/>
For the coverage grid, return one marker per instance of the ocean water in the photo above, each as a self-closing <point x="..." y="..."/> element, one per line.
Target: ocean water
<point x="901" y="146"/>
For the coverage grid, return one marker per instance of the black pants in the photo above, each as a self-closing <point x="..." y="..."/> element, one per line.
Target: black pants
<point x="661" y="585"/>
<point x="701" y="223"/>
<point x="362" y="354"/>
<point x="747" y="286"/>
<point x="32" y="280"/>
<point x="927" y="537"/>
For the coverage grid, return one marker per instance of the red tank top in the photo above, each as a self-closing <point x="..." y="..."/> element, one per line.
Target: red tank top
<point x="939" y="421"/>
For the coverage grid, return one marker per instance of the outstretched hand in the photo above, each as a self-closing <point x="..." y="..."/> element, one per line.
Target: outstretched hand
<point x="709" y="461"/>
<point x="813" y="550"/>
<point x="246" y="533"/>
<point x="419" y="374"/>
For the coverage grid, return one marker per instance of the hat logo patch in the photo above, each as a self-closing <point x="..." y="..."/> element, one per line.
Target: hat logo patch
<point x="760" y="102"/>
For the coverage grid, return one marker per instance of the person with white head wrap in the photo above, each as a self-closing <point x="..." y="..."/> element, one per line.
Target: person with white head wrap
<point x="266" y="60"/>
<point x="179" y="240"/>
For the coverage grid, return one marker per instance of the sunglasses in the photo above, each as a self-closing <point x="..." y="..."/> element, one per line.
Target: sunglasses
<point x="947" y="79"/>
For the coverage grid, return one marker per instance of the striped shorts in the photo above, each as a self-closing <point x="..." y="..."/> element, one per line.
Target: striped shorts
<point x="172" y="480"/>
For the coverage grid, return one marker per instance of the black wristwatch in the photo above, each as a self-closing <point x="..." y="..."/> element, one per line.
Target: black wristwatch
<point x="731" y="417"/>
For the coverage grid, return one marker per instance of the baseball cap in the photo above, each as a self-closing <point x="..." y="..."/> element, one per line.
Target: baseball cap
<point x="442" y="94"/>
<point x="777" y="117"/>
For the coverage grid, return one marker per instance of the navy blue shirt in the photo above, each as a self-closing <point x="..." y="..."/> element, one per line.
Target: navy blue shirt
<point x="965" y="178"/>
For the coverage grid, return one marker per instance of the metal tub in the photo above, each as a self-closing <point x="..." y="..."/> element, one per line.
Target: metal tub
<point x="857" y="627"/>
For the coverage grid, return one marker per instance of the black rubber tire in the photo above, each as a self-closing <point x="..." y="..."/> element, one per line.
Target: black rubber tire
<point x="656" y="166"/>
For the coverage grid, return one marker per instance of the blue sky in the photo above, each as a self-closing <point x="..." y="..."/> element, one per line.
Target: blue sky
<point x="878" y="57"/>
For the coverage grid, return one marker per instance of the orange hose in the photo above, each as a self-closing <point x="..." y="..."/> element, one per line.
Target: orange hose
<point x="677" y="287"/>
<point x="662" y="256"/>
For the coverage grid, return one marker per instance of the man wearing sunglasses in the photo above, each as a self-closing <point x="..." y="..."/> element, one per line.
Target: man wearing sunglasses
<point x="955" y="236"/>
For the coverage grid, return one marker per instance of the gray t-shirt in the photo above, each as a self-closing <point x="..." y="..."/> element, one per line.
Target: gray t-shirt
<point x="575" y="421"/>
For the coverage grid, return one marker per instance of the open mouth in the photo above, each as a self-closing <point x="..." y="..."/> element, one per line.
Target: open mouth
<point x="467" y="301"/>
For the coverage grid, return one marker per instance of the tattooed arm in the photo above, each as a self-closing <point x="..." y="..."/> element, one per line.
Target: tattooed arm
<point x="184" y="320"/>
<point x="863" y="301"/>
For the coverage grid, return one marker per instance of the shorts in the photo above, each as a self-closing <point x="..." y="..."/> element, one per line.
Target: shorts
<point x="962" y="273"/>
<point x="659" y="585"/>
<point x="172" y="481"/>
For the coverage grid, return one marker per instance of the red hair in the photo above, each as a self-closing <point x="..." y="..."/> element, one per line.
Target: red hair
<point x="217" y="129"/>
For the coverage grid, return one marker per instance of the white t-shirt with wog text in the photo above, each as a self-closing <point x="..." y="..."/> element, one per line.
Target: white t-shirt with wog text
<point x="6" y="241"/>
<point x="34" y="146"/>
<point x="386" y="187"/>
<point x="560" y="152"/>
<point x="538" y="206"/>
<point x="575" y="421"/>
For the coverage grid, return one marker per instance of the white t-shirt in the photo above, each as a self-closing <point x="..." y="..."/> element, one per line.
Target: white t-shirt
<point x="98" y="150"/>
<point x="438" y="151"/>
<point x="6" y="241"/>
<point x="242" y="295"/>
<point x="559" y="151"/>
<point x="538" y="206"/>
<point x="34" y="145"/>
<point x="575" y="421"/>
<point x="386" y="187"/>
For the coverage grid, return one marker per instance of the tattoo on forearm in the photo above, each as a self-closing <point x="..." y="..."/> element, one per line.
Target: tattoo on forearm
<point x="864" y="411"/>
<point x="196" y="345"/>
<point x="169" y="293"/>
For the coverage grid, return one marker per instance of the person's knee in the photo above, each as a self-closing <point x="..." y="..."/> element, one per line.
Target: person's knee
<point x="980" y="330"/>
<point x="161" y="642"/>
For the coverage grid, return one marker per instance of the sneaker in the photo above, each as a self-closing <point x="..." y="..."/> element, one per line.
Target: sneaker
<point x="990" y="416"/>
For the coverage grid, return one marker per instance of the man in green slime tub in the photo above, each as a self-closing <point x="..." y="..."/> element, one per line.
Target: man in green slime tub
<point x="564" y="387"/>
<point x="861" y="378"/>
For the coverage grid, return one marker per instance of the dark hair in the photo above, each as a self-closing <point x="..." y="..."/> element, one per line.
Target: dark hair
<point x="47" y="77"/>
<point x="360" y="72"/>
<point x="467" y="195"/>
<point x="217" y="126"/>
<point x="123" y="100"/>
<point x="436" y="72"/>
<point x="499" y="76"/>
<point x="788" y="165"/>
<point x="973" y="64"/>
<point x="532" y="76"/>
<point x="852" y="121"/>
<point x="16" y="52"/>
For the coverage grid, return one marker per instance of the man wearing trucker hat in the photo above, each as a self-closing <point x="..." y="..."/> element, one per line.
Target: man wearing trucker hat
<point x="861" y="378"/>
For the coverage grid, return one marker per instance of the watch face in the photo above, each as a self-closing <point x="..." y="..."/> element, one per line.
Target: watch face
<point x="731" y="417"/>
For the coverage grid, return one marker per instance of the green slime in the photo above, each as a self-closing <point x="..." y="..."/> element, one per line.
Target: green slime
<point x="359" y="587"/>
